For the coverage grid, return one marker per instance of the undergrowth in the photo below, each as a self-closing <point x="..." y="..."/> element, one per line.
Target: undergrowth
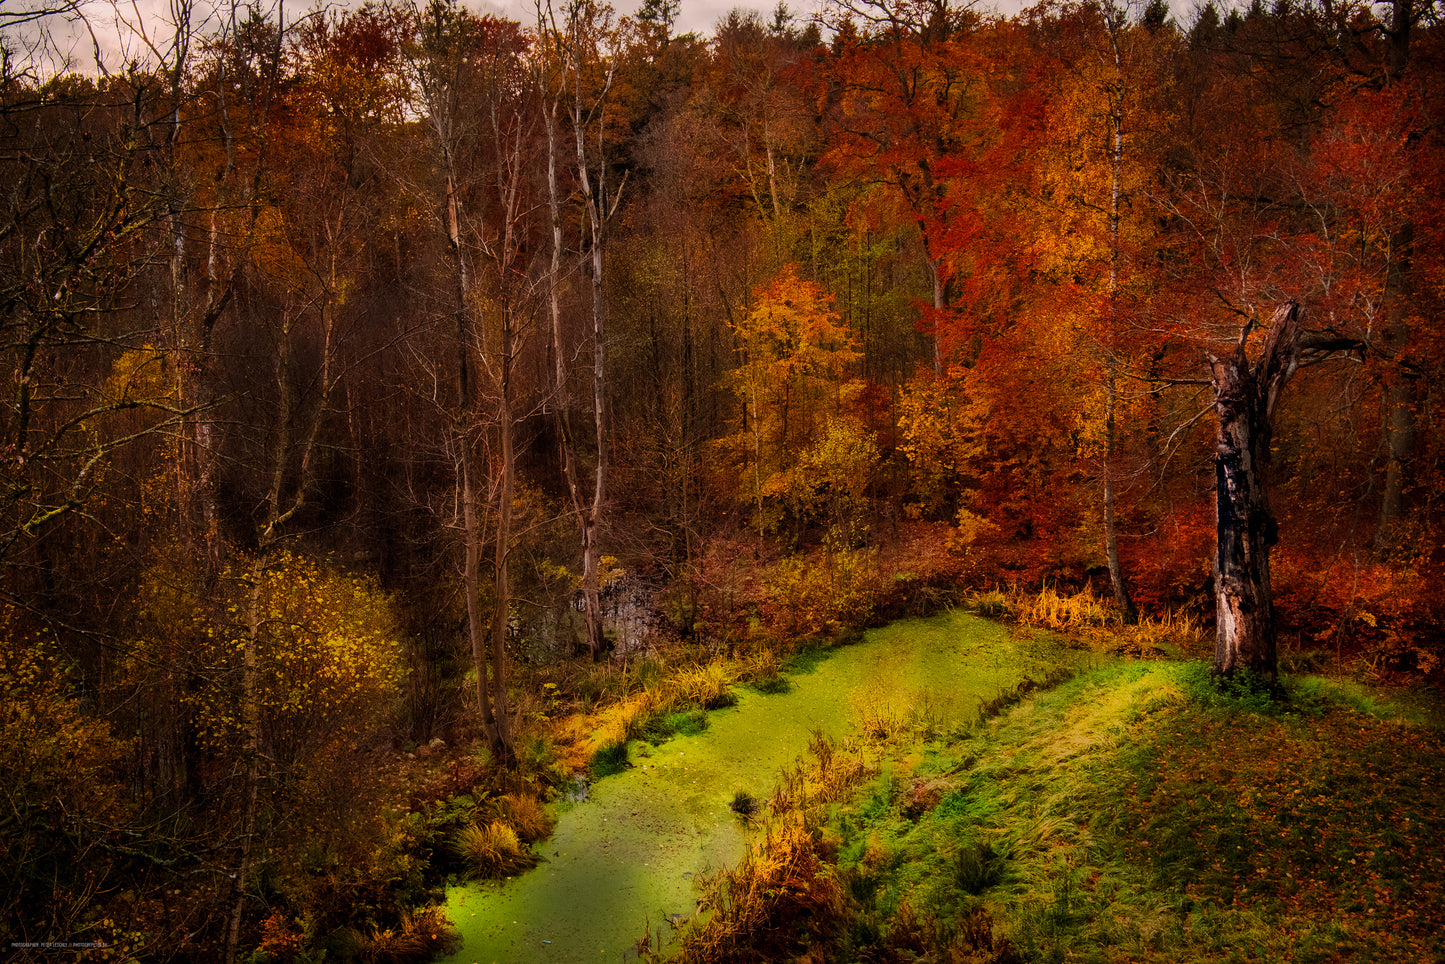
<point x="1086" y="616"/>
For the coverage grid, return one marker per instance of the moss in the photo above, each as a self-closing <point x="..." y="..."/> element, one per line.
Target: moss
<point x="608" y="759"/>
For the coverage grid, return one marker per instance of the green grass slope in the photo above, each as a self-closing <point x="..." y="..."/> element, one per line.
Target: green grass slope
<point x="1133" y="813"/>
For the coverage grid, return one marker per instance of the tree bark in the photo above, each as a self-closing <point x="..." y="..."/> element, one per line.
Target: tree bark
<point x="1245" y="398"/>
<point x="466" y="417"/>
<point x="588" y="510"/>
<point x="1400" y="388"/>
<point x="1127" y="611"/>
<point x="500" y="731"/>
<point x="471" y="565"/>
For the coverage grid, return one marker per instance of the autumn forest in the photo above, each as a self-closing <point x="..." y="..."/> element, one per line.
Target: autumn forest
<point x="382" y="382"/>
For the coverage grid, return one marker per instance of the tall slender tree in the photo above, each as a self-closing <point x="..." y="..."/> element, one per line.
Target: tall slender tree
<point x="579" y="72"/>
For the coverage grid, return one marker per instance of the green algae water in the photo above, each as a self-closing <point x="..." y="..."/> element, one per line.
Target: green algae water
<point x="625" y="859"/>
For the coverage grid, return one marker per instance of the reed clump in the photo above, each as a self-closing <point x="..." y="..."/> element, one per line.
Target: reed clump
<point x="786" y="892"/>
<point x="763" y="670"/>
<point x="708" y="687"/>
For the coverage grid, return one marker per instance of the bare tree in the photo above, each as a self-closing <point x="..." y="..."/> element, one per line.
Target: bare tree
<point x="475" y="95"/>
<point x="575" y="61"/>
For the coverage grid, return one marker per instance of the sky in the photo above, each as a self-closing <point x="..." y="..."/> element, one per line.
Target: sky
<point x="145" y="21"/>
<point x="700" y="16"/>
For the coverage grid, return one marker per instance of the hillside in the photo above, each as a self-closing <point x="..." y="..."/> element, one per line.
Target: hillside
<point x="1133" y="813"/>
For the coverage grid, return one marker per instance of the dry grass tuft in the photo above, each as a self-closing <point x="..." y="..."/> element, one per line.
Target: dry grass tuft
<point x="763" y="668"/>
<point x="706" y="686"/>
<point x="1081" y="612"/>
<point x="880" y="724"/>
<point x="528" y="816"/>
<point x="789" y="793"/>
<point x="1086" y="615"/>
<point x="391" y="946"/>
<point x="493" y="850"/>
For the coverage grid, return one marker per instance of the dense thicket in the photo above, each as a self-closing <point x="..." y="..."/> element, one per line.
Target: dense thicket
<point x="354" y="360"/>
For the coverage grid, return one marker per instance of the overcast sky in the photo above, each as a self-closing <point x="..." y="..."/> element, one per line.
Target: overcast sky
<point x="149" y="17"/>
<point x="699" y="16"/>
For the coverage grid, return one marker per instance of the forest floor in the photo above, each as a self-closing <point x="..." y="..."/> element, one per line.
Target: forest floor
<point x="1131" y="813"/>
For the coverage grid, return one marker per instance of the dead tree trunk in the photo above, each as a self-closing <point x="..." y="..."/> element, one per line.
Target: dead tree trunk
<point x="1245" y="395"/>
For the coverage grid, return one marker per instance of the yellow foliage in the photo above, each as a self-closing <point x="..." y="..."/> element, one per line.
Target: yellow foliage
<point x="836" y="473"/>
<point x="139" y="374"/>
<point x="808" y="597"/>
<point x="274" y="253"/>
<point x="64" y="804"/>
<point x="783" y="883"/>
<point x="793" y="381"/>
<point x="51" y="753"/>
<point x="326" y="653"/>
<point x="941" y="422"/>
<point x="609" y="571"/>
<point x="1100" y="97"/>
<point x="969" y="529"/>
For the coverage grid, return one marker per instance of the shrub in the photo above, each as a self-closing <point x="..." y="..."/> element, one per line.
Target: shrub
<point x="54" y="754"/>
<point x="816" y="596"/>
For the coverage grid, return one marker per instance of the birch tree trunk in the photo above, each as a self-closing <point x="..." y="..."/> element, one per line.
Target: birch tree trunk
<point x="1111" y="379"/>
<point x="1122" y="598"/>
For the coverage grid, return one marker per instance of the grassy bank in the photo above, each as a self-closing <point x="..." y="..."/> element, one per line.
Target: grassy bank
<point x="1131" y="814"/>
